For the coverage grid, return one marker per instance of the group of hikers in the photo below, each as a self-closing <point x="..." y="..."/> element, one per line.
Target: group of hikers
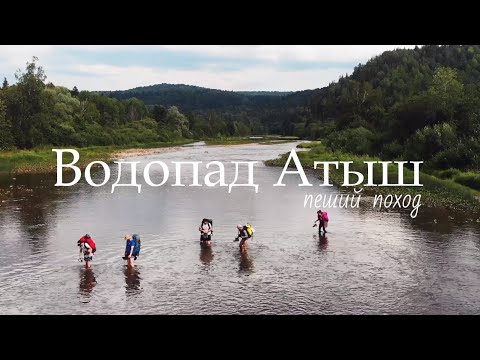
<point x="245" y="232"/>
<point x="133" y="243"/>
<point x="88" y="248"/>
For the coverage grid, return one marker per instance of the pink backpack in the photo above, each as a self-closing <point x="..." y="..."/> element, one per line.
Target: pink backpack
<point x="325" y="216"/>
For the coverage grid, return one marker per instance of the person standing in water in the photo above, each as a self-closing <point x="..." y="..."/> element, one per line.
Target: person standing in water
<point x="242" y="237"/>
<point x="87" y="248"/>
<point x="130" y="246"/>
<point x="322" y="217"/>
<point x="206" y="230"/>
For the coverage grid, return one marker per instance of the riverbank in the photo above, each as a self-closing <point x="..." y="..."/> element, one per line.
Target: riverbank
<point x="142" y="152"/>
<point x="435" y="192"/>
<point x="262" y="140"/>
<point x="43" y="160"/>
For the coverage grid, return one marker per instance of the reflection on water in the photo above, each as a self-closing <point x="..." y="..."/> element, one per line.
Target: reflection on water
<point x="33" y="201"/>
<point x="370" y="261"/>
<point x="132" y="280"/>
<point x="206" y="255"/>
<point x="323" y="242"/>
<point x="87" y="284"/>
<point x="246" y="263"/>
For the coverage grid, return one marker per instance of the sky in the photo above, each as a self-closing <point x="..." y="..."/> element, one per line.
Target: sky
<point x="225" y="67"/>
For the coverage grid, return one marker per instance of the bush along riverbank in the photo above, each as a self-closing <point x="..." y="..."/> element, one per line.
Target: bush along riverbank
<point x="435" y="192"/>
<point x="44" y="160"/>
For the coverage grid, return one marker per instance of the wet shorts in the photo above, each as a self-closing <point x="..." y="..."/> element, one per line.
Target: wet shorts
<point x="205" y="238"/>
<point x="87" y="257"/>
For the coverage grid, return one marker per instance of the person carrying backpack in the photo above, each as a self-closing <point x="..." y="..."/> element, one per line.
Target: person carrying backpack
<point x="322" y="217"/>
<point x="132" y="248"/>
<point x="206" y="231"/>
<point x="87" y="249"/>
<point x="244" y="233"/>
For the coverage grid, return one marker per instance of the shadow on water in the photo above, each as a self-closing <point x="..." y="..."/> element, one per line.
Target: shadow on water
<point x="440" y="220"/>
<point x="206" y="255"/>
<point x="132" y="280"/>
<point x="245" y="263"/>
<point x="87" y="284"/>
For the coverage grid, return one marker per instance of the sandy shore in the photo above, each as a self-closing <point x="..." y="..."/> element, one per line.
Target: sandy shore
<point x="252" y="143"/>
<point x="143" y="152"/>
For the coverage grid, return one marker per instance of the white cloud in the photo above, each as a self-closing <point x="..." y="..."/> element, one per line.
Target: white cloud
<point x="106" y="77"/>
<point x="14" y="57"/>
<point x="302" y="53"/>
<point x="268" y="74"/>
<point x="17" y="55"/>
<point x="276" y="53"/>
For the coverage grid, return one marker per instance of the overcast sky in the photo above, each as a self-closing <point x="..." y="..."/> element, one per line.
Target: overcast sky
<point x="226" y="67"/>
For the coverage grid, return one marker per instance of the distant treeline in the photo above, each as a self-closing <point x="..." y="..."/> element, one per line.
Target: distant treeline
<point x="192" y="98"/>
<point x="214" y="113"/>
<point x="415" y="104"/>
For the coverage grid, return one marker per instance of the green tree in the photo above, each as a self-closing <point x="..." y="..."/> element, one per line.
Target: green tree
<point x="358" y="140"/>
<point x="426" y="142"/>
<point x="159" y="113"/>
<point x="32" y="81"/>
<point x="243" y="129"/>
<point x="446" y="90"/>
<point x="135" y="109"/>
<point x="232" y="129"/>
<point x="6" y="138"/>
<point x="5" y="83"/>
<point x="178" y="123"/>
<point x="24" y="102"/>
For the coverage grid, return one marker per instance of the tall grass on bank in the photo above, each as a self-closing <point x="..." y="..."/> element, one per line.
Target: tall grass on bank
<point x="470" y="179"/>
<point x="41" y="160"/>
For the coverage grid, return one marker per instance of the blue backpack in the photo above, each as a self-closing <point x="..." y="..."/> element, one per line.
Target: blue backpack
<point x="138" y="244"/>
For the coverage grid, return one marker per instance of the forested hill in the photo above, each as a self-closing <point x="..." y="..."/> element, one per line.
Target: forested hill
<point x="422" y="103"/>
<point x="194" y="98"/>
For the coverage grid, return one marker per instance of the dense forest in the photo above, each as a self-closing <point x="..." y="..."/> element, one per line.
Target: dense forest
<point x="213" y="113"/>
<point x="419" y="104"/>
<point x="189" y="97"/>
<point x="422" y="103"/>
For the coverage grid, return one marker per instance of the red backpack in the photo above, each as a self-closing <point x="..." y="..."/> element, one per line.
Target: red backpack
<point x="325" y="216"/>
<point x="89" y="241"/>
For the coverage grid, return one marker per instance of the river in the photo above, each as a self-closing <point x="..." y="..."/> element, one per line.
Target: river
<point x="369" y="262"/>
